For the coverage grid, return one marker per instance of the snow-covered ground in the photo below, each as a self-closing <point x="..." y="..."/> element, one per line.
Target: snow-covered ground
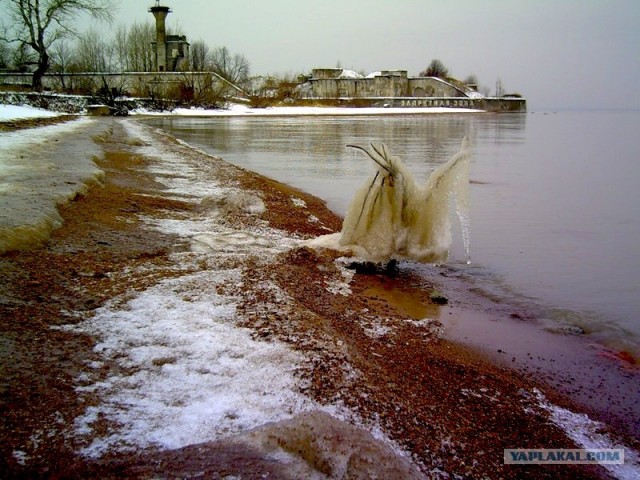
<point x="19" y="112"/>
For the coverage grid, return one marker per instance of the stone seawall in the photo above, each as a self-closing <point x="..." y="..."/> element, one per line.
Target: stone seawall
<point x="489" y="104"/>
<point x="80" y="103"/>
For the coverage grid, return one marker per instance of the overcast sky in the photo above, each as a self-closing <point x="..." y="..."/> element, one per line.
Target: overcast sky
<point x="557" y="53"/>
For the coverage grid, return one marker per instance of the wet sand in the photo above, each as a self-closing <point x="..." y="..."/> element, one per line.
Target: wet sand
<point x="452" y="407"/>
<point x="18" y="124"/>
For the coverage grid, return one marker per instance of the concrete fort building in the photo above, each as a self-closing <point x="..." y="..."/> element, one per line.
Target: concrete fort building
<point x="171" y="52"/>
<point x="394" y="88"/>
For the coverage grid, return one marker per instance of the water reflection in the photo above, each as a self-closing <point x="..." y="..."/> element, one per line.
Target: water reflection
<point x="310" y="153"/>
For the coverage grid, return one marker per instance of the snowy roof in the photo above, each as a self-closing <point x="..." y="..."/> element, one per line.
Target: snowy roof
<point x="350" y="74"/>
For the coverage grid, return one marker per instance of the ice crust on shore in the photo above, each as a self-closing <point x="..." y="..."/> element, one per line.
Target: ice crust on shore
<point x="588" y="434"/>
<point x="38" y="172"/>
<point x="185" y="372"/>
<point x="181" y="369"/>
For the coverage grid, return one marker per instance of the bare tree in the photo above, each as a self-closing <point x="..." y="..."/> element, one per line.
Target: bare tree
<point x="234" y="68"/>
<point x="62" y="59"/>
<point x="471" y="79"/>
<point x="139" y="51"/>
<point x="200" y="56"/>
<point x="121" y="47"/>
<point x="435" y="69"/>
<point x="40" y="23"/>
<point x="5" y="55"/>
<point x="93" y="53"/>
<point x="21" y="57"/>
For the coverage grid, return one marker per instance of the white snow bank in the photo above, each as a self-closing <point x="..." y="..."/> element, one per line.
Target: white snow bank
<point x="240" y="110"/>
<point x="187" y="373"/>
<point x="19" y="112"/>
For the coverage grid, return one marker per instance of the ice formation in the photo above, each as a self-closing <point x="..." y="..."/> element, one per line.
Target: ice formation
<point x="392" y="216"/>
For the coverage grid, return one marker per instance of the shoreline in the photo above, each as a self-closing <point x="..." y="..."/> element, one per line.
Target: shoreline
<point x="419" y="388"/>
<point x="598" y="379"/>
<point x="241" y="111"/>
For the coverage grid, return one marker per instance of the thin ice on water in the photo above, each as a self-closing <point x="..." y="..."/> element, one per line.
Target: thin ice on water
<point x="392" y="216"/>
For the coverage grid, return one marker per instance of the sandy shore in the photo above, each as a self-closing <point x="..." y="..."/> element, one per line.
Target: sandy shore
<point x="437" y="407"/>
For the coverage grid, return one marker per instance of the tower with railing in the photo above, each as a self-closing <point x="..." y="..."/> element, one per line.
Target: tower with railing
<point x="171" y="51"/>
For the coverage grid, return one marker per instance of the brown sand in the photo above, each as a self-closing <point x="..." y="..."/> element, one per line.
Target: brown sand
<point x="448" y="406"/>
<point x="18" y="124"/>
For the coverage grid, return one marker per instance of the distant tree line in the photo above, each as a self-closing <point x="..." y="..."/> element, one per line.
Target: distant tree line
<point x="127" y="50"/>
<point x="39" y="38"/>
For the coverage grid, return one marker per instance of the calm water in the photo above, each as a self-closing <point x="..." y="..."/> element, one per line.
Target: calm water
<point x="555" y="203"/>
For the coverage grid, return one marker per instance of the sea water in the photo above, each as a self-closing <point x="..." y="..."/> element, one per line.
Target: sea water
<point x="554" y="196"/>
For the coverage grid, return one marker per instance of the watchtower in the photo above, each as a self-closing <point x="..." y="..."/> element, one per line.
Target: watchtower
<point x="169" y="50"/>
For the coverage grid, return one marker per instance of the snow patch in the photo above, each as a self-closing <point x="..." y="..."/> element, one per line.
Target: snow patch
<point x="337" y="287"/>
<point x="22" y="112"/>
<point x="377" y="328"/>
<point x="473" y="94"/>
<point x="20" y="456"/>
<point x="185" y="372"/>
<point x="433" y="326"/>
<point x="341" y="287"/>
<point x="350" y="74"/>
<point x="298" y="202"/>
